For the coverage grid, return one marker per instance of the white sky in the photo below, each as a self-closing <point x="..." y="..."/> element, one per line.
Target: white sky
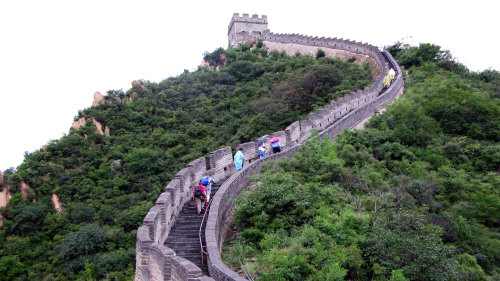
<point x="55" y="54"/>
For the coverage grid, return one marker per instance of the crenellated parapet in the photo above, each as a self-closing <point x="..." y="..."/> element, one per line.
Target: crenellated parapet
<point x="154" y="261"/>
<point x="288" y="41"/>
<point x="245" y="24"/>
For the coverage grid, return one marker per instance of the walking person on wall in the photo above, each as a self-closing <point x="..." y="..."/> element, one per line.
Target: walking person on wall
<point x="275" y="145"/>
<point x="199" y="195"/>
<point x="207" y="182"/>
<point x="238" y="159"/>
<point x="262" y="151"/>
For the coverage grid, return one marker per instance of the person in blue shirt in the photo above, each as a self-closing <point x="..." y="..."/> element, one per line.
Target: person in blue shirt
<point x="262" y="151"/>
<point x="207" y="182"/>
<point x="276" y="146"/>
<point x="238" y="159"/>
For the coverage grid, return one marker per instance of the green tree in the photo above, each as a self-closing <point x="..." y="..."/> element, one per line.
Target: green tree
<point x="81" y="212"/>
<point x="397" y="275"/>
<point x="406" y="241"/>
<point x="82" y="244"/>
<point x="29" y="219"/>
<point x="11" y="268"/>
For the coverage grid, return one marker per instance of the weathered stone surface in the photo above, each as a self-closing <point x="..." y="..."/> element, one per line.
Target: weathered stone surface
<point x="4" y="196"/>
<point x="24" y="190"/>
<point x="102" y="130"/>
<point x="57" y="203"/>
<point x="78" y="123"/>
<point x="98" y="97"/>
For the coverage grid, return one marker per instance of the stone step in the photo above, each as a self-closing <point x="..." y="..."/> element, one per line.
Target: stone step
<point x="195" y="226"/>
<point x="175" y="247"/>
<point x="190" y="216"/>
<point x="182" y="236"/>
<point x="179" y="236"/>
<point x="179" y="240"/>
<point x="184" y="246"/>
<point x="183" y="249"/>
<point x="188" y="238"/>
<point x="186" y="233"/>
<point x="194" y="258"/>
<point x="187" y="227"/>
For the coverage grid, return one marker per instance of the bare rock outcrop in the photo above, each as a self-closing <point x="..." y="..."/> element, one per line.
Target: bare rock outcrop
<point x="5" y="197"/>
<point x="4" y="200"/>
<point x="102" y="130"/>
<point x="24" y="190"/>
<point x="206" y="64"/>
<point x="132" y="96"/>
<point x="57" y="203"/>
<point x="98" y="97"/>
<point x="78" y="123"/>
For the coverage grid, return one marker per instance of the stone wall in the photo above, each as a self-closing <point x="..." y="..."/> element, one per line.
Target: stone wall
<point x="221" y="161"/>
<point x="335" y="47"/>
<point x="154" y="260"/>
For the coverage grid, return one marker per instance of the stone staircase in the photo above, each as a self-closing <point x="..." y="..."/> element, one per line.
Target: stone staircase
<point x="184" y="236"/>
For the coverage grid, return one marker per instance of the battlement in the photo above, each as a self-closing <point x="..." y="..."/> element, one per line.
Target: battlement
<point x="245" y="24"/>
<point x="246" y="18"/>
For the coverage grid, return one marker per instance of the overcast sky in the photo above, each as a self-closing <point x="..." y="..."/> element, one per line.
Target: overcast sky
<point x="55" y="54"/>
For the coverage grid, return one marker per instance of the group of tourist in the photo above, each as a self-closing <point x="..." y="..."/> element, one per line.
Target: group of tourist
<point x="261" y="152"/>
<point x="201" y="193"/>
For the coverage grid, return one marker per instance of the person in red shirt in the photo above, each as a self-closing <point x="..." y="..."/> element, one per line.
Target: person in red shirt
<point x="199" y="195"/>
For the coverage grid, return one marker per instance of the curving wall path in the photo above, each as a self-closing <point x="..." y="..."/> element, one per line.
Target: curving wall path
<point x="154" y="261"/>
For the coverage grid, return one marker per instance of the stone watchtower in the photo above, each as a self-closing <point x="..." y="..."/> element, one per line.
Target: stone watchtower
<point x="245" y="25"/>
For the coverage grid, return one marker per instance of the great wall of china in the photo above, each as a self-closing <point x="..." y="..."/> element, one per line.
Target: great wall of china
<point x="155" y="261"/>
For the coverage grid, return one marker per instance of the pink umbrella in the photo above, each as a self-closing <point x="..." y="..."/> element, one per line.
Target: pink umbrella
<point x="273" y="139"/>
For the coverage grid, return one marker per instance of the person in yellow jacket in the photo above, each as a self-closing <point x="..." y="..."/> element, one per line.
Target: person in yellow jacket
<point x="387" y="81"/>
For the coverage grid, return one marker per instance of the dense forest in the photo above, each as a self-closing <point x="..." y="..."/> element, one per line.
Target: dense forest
<point x="414" y="196"/>
<point x="106" y="184"/>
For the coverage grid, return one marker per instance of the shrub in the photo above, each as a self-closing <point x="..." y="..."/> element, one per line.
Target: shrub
<point x="11" y="268"/>
<point x="132" y="217"/>
<point x="320" y="54"/>
<point x="82" y="244"/>
<point x="29" y="219"/>
<point x="81" y="212"/>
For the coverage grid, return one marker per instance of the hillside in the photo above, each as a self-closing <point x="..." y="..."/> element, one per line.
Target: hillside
<point x="106" y="184"/>
<point x="415" y="196"/>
